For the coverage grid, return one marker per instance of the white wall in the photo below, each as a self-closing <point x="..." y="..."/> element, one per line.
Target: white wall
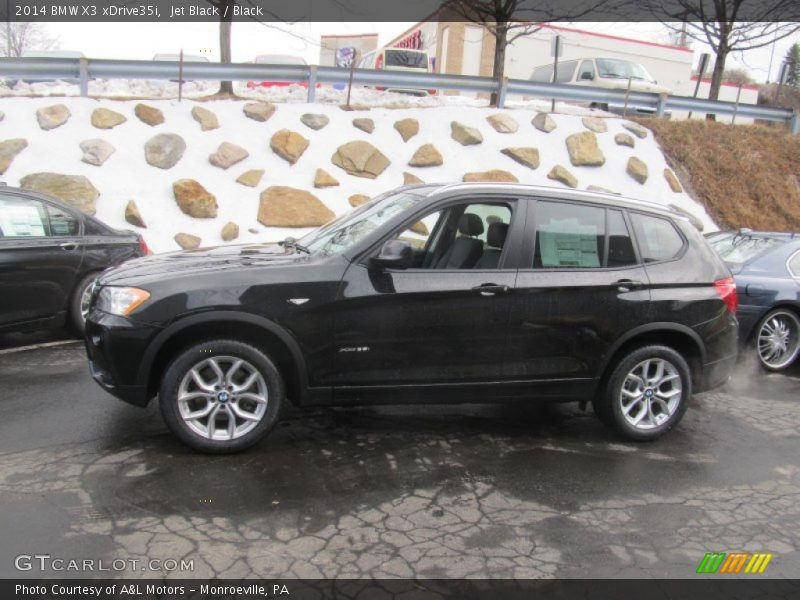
<point x="727" y="93"/>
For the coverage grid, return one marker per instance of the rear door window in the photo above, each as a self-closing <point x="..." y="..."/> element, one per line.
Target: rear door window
<point x="406" y="58"/>
<point x="569" y="236"/>
<point x="22" y="217"/>
<point x="658" y="239"/>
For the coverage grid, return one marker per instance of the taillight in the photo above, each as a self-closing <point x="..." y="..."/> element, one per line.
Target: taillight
<point x="726" y="288"/>
<point x="143" y="246"/>
<point x="379" y="61"/>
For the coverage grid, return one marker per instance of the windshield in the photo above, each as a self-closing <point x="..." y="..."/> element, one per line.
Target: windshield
<point x="406" y="58"/>
<point x="738" y="249"/>
<point x="349" y="229"/>
<point x="622" y="69"/>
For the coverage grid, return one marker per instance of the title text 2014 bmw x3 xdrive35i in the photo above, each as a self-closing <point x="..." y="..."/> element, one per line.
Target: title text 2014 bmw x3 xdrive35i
<point x="463" y="292"/>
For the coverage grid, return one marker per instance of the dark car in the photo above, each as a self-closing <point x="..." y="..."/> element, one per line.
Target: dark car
<point x="766" y="267"/>
<point x="50" y="255"/>
<point x="463" y="292"/>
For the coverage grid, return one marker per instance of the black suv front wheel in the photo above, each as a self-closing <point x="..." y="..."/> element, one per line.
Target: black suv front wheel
<point x="646" y="394"/>
<point x="221" y="396"/>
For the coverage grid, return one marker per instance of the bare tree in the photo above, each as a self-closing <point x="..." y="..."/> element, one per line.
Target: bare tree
<point x="730" y="26"/>
<point x="509" y="20"/>
<point x="19" y="37"/>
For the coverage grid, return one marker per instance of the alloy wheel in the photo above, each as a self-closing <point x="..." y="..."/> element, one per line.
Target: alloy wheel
<point x="651" y="393"/>
<point x="779" y="339"/>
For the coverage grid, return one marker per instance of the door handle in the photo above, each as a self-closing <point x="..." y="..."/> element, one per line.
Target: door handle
<point x="490" y="289"/>
<point x="68" y="246"/>
<point x="626" y="285"/>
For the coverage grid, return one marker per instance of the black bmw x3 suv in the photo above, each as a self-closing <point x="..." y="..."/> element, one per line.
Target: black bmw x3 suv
<point x="430" y="293"/>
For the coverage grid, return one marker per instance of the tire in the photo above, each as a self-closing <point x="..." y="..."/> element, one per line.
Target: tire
<point x="777" y="339"/>
<point x="77" y="307"/>
<point x="254" y="408"/>
<point x="659" y="407"/>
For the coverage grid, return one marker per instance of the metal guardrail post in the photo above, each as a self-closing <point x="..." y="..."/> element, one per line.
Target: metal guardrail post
<point x="502" y="88"/>
<point x="83" y="76"/>
<point x="661" y="110"/>
<point x="794" y="123"/>
<point x="312" y="84"/>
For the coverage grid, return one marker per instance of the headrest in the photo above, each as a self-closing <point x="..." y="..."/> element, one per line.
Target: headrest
<point x="496" y="235"/>
<point x="470" y="224"/>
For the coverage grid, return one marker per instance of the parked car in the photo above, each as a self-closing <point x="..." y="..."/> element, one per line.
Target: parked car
<point x="609" y="73"/>
<point x="50" y="255"/>
<point x="463" y="292"/>
<point x="766" y="267"/>
<point x="398" y="59"/>
<point x="278" y="59"/>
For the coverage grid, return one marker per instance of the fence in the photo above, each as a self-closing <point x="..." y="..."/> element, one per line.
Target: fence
<point x="82" y="70"/>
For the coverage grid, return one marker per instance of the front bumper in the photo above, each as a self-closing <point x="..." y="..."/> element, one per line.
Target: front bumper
<point x="115" y="347"/>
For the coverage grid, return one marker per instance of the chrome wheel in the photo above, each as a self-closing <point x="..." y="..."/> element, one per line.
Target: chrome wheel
<point x="222" y="398"/>
<point x="651" y="393"/>
<point x="779" y="339"/>
<point x="86" y="299"/>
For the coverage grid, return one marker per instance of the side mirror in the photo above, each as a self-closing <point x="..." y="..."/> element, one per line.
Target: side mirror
<point x="395" y="254"/>
<point x="587" y="75"/>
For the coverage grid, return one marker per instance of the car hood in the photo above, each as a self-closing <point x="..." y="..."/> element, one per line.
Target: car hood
<point x="189" y="262"/>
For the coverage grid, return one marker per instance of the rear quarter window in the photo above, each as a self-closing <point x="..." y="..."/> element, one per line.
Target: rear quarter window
<point x="658" y="238"/>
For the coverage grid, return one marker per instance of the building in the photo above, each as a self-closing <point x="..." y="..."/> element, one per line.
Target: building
<point x="334" y="49"/>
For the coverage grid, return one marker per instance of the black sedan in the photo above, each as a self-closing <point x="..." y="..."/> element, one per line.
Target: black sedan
<point x="766" y="267"/>
<point x="50" y="255"/>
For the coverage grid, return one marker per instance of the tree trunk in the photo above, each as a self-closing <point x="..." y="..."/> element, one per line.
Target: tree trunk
<point x="716" y="78"/>
<point x="225" y="87"/>
<point x="499" y="66"/>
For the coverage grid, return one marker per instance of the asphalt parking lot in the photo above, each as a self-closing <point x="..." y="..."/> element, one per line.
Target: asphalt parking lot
<point x="455" y="491"/>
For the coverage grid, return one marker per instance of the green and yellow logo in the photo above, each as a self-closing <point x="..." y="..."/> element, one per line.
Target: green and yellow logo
<point x="731" y="563"/>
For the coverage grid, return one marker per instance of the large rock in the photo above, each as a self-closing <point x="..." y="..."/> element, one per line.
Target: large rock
<point x="282" y="206"/>
<point x="207" y="119"/>
<point x="194" y="200"/>
<point x="671" y="178"/>
<point x="600" y="189"/>
<point x="411" y="179"/>
<point x="230" y="231"/>
<point x="148" y="114"/>
<point x="75" y="190"/>
<point x="364" y="124"/>
<point x="289" y="145"/>
<point x="187" y="241"/>
<point x="637" y="169"/>
<point x="524" y="156"/>
<point x="103" y="118"/>
<point x="464" y="134"/>
<point x="164" y="150"/>
<point x="9" y="150"/>
<point x="543" y="122"/>
<point x="50" y="117"/>
<point x="259" y="111"/>
<point x="132" y="214"/>
<point x="323" y="179"/>
<point x="595" y="124"/>
<point x="562" y="174"/>
<point x="584" y="151"/>
<point x="426" y="156"/>
<point x="407" y="128"/>
<point x="635" y="129"/>
<point x="361" y="159"/>
<point x="623" y="139"/>
<point x="503" y="123"/>
<point x="358" y="200"/>
<point x="315" y="122"/>
<point x="251" y="178"/>
<point x="493" y="175"/>
<point x="96" y="152"/>
<point x="227" y="155"/>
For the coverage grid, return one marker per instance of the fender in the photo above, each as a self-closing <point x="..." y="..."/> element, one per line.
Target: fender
<point x="650" y="328"/>
<point x="216" y="316"/>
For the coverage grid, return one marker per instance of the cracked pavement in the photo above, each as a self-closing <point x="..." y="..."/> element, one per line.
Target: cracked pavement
<point x="501" y="491"/>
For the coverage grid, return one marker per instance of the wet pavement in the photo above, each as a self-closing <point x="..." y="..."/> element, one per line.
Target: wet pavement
<point x="440" y="491"/>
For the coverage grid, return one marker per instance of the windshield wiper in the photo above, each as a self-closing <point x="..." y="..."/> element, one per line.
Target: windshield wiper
<point x="291" y="242"/>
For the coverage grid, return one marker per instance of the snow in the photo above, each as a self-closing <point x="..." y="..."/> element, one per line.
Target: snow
<point x="126" y="175"/>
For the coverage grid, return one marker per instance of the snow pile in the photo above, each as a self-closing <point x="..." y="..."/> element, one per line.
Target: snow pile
<point x="127" y="176"/>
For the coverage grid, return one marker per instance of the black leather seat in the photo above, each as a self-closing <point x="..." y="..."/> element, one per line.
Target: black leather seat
<point x="466" y="249"/>
<point x="495" y="239"/>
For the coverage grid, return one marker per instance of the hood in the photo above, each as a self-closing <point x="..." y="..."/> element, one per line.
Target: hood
<point x="188" y="262"/>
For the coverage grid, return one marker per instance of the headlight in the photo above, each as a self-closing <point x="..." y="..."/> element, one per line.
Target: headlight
<point x="121" y="301"/>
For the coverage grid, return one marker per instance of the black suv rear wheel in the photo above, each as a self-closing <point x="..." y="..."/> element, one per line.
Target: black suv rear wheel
<point x="221" y="396"/>
<point x="646" y="394"/>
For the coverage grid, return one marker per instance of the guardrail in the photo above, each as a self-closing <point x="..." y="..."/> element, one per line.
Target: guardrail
<point x="82" y="70"/>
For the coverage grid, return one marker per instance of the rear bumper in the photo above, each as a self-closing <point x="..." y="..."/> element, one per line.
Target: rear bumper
<point x="717" y="373"/>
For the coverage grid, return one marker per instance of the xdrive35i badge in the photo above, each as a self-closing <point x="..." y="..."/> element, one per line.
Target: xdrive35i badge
<point x="354" y="349"/>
